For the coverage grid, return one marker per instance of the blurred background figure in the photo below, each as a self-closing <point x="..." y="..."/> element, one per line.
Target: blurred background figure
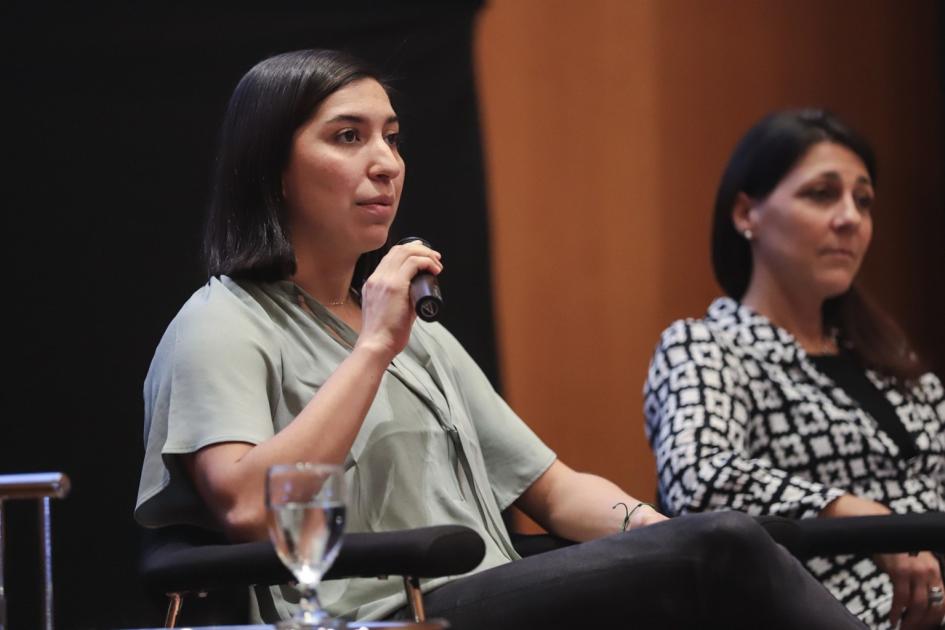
<point x="796" y="395"/>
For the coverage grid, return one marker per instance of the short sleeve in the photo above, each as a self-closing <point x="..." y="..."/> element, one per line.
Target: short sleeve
<point x="514" y="456"/>
<point x="219" y="370"/>
<point x="212" y="380"/>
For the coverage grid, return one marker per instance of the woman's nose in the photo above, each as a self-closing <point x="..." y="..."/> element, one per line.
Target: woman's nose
<point x="384" y="162"/>
<point x="847" y="213"/>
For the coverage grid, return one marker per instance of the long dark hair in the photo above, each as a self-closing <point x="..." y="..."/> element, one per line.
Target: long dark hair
<point x="762" y="158"/>
<point x="246" y="234"/>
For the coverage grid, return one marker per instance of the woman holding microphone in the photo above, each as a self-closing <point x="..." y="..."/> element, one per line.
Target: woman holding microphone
<point x="297" y="350"/>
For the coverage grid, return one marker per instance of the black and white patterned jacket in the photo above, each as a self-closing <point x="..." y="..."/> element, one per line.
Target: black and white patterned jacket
<point x="740" y="418"/>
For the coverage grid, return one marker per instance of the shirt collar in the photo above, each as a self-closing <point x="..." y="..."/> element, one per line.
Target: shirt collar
<point x="753" y="330"/>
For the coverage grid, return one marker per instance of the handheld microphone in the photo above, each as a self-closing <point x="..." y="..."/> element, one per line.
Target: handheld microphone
<point x="424" y="289"/>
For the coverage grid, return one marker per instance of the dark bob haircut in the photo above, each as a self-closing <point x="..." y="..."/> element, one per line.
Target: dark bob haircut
<point x="763" y="157"/>
<point x="246" y="234"/>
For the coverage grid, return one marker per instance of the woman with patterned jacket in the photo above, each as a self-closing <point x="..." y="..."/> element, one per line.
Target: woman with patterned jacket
<point x="795" y="395"/>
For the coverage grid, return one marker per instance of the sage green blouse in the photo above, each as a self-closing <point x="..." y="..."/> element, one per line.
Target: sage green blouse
<point x="438" y="446"/>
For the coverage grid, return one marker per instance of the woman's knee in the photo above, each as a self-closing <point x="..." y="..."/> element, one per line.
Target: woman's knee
<point x="733" y="534"/>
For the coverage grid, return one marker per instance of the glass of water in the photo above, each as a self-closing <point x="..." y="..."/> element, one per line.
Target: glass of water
<point x="306" y="511"/>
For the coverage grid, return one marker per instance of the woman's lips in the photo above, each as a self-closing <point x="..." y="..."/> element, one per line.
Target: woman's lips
<point x="375" y="206"/>
<point x="384" y="200"/>
<point x="381" y="206"/>
<point x="838" y="252"/>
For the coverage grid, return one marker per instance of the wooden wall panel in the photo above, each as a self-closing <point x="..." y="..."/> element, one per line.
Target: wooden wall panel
<point x="607" y="124"/>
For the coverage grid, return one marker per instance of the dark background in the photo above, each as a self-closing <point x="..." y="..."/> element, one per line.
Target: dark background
<point x="110" y="118"/>
<point x="110" y="114"/>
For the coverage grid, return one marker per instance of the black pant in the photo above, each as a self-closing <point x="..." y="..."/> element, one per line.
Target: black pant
<point x="718" y="570"/>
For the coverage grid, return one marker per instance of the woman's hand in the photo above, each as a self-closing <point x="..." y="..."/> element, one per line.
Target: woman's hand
<point x="645" y="515"/>
<point x="386" y="312"/>
<point x="912" y="576"/>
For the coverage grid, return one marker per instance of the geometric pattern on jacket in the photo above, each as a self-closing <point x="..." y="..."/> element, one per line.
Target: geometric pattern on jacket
<point x="739" y="418"/>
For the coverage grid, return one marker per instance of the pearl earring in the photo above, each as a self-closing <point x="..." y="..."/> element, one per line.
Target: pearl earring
<point x="748" y="235"/>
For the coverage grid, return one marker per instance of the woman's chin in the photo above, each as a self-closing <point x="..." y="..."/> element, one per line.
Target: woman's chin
<point x="375" y="238"/>
<point x="835" y="286"/>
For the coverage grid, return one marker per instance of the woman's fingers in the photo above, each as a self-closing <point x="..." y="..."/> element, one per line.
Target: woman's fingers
<point x="395" y="258"/>
<point x="917" y="606"/>
<point x="901" y="591"/>
<point x="653" y="518"/>
<point x="929" y="576"/>
<point x="395" y="276"/>
<point x="413" y="265"/>
<point x="403" y="262"/>
<point x="912" y="577"/>
<point x="937" y="612"/>
<point x="385" y="303"/>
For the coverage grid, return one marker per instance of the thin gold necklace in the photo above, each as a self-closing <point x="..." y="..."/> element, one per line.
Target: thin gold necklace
<point x="342" y="301"/>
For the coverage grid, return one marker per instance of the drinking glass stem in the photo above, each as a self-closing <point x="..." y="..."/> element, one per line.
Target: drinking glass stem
<point x="308" y="602"/>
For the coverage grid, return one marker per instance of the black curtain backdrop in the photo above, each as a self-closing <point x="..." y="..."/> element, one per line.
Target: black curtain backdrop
<point x="110" y="119"/>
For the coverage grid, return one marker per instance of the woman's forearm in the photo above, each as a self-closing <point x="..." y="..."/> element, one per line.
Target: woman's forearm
<point x="230" y="476"/>
<point x="580" y="506"/>
<point x="587" y="508"/>
<point x="852" y="505"/>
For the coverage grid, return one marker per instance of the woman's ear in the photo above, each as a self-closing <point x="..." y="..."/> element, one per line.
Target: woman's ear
<point x="743" y="215"/>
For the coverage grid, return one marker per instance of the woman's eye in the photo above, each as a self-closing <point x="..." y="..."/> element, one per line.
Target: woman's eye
<point x="393" y="139"/>
<point x="821" y="194"/>
<point x="863" y="202"/>
<point x="348" y="136"/>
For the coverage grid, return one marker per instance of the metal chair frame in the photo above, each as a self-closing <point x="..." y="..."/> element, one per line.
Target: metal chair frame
<point x="41" y="487"/>
<point x="175" y="602"/>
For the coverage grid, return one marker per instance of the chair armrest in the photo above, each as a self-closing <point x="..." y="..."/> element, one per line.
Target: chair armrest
<point x="424" y="552"/>
<point x="860" y="535"/>
<point x="174" y="563"/>
<point x="533" y="544"/>
<point x="178" y="560"/>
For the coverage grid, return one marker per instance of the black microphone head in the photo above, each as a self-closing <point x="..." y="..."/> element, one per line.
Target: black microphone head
<point x="428" y="306"/>
<point x="424" y="289"/>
